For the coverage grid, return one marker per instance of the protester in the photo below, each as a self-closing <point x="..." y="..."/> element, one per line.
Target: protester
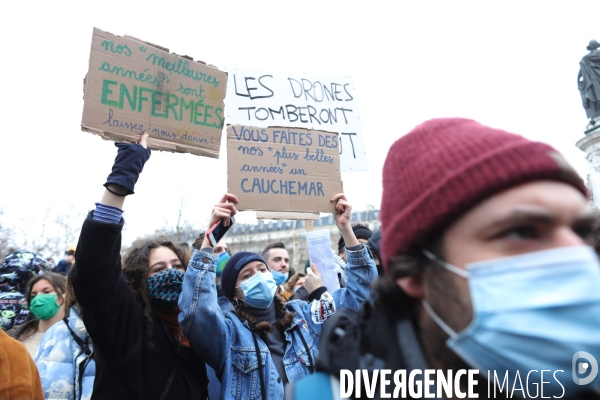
<point x="362" y="233"/>
<point x="46" y="301"/>
<point x="485" y="242"/>
<point x="16" y="270"/>
<point x="222" y="251"/>
<point x="131" y="314"/>
<point x="19" y="378"/>
<point x="596" y="234"/>
<point x="293" y="284"/>
<point x="278" y="261"/>
<point x="64" y="266"/>
<point x="199" y="240"/>
<point x="187" y="248"/>
<point x="221" y="248"/>
<point x="374" y="244"/>
<point x="65" y="357"/>
<point x="285" y="335"/>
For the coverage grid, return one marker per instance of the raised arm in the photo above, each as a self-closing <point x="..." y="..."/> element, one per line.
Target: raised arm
<point x="201" y="318"/>
<point x="360" y="270"/>
<point x="360" y="267"/>
<point x="110" y="311"/>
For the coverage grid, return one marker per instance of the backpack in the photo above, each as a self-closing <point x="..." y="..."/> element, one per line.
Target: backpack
<point x="85" y="349"/>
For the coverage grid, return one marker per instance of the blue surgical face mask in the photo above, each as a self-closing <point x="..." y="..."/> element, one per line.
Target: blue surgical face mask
<point x="533" y="311"/>
<point x="259" y="290"/>
<point x="279" y="277"/>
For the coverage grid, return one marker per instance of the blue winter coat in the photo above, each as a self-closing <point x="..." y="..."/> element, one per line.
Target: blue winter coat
<point x="60" y="358"/>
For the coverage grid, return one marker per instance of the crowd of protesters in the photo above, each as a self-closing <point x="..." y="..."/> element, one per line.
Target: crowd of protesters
<point x="485" y="260"/>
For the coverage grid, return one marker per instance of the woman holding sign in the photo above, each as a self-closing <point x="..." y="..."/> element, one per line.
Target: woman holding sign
<point x="265" y="342"/>
<point x="131" y="313"/>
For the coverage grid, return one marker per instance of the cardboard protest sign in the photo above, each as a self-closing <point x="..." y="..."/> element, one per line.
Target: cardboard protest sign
<point x="132" y="86"/>
<point x="283" y="169"/>
<point x="318" y="102"/>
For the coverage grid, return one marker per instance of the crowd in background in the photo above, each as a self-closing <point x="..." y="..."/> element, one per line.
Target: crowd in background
<point x="485" y="260"/>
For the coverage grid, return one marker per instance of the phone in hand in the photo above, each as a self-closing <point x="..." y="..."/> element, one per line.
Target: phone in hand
<point x="218" y="231"/>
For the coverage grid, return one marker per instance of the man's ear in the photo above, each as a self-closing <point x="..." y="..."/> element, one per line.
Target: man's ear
<point x="412" y="286"/>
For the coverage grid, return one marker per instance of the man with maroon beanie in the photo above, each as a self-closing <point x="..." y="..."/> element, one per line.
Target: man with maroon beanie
<point x="485" y="243"/>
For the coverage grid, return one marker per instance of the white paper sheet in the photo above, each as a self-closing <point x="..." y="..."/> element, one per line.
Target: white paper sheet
<point x="319" y="252"/>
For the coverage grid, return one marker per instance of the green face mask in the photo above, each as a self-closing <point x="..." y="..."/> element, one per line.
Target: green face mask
<point x="44" y="306"/>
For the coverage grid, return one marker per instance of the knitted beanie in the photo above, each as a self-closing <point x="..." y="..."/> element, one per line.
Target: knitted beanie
<point x="444" y="167"/>
<point x="233" y="268"/>
<point x="360" y="232"/>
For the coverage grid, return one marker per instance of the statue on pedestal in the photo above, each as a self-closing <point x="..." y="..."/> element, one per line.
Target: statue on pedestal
<point x="589" y="84"/>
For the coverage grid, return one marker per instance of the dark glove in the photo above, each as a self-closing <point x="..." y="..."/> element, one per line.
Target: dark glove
<point x="128" y="166"/>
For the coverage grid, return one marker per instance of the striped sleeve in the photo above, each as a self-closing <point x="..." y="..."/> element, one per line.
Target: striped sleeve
<point x="107" y="214"/>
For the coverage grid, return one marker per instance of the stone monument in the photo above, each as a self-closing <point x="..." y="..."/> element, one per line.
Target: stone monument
<point x="588" y="82"/>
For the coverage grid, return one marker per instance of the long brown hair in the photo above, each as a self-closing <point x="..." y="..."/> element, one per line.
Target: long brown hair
<point x="70" y="299"/>
<point x="289" y="285"/>
<point x="135" y="271"/>
<point x="58" y="283"/>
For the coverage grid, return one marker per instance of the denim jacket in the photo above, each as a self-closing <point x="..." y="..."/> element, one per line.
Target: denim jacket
<point x="227" y="344"/>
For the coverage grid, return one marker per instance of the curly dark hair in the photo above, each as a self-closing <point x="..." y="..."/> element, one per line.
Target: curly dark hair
<point x="135" y="270"/>
<point x="284" y="317"/>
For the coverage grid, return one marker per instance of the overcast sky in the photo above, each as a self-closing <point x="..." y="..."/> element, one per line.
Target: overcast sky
<point x="509" y="64"/>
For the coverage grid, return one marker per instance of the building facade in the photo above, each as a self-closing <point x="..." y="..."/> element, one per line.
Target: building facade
<point x="246" y="237"/>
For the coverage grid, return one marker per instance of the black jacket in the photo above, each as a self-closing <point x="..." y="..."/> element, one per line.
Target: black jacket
<point x="375" y="337"/>
<point x="125" y="367"/>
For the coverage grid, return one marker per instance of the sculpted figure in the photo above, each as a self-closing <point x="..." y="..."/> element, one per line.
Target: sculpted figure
<point x="589" y="80"/>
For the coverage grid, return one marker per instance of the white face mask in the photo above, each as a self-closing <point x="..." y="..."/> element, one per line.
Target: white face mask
<point x="534" y="311"/>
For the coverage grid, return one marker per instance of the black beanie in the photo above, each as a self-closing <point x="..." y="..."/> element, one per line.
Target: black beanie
<point x="233" y="268"/>
<point x="360" y="232"/>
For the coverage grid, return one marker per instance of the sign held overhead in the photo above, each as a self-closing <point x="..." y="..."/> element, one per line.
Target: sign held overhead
<point x="283" y="169"/>
<point x="296" y="100"/>
<point x="132" y="86"/>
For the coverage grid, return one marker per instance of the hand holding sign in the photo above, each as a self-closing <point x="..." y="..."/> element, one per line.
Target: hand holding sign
<point x="128" y="166"/>
<point x="313" y="279"/>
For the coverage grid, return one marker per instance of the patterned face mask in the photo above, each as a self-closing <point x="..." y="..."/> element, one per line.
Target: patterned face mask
<point x="165" y="287"/>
